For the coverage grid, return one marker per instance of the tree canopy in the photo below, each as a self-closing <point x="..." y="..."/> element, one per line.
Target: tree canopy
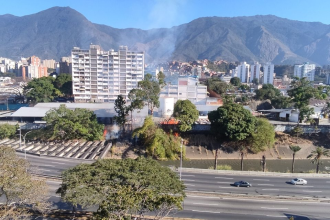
<point x="268" y="91"/>
<point x="235" y="81"/>
<point x="301" y="92"/>
<point x="157" y="142"/>
<point x="123" y="187"/>
<point x="8" y="131"/>
<point x="66" y="124"/>
<point x="232" y="122"/>
<point x="41" y="90"/>
<point x="185" y="111"/>
<point x="217" y="85"/>
<point x="122" y="111"/>
<point x="64" y="83"/>
<point x="263" y="137"/>
<point x="19" y="186"/>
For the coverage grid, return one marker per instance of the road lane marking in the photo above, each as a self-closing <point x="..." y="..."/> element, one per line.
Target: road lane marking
<point x="44" y="169"/>
<point x="265" y="185"/>
<point x="273" y="208"/>
<point x="270" y="189"/>
<point x="47" y="166"/>
<point x="205" y="204"/>
<point x="227" y="178"/>
<point x="224" y="182"/>
<point x="212" y="197"/>
<point x="188" y="184"/>
<point x="187" y="175"/>
<point x="276" y="216"/>
<point x="261" y="179"/>
<point x="228" y="187"/>
<point x="58" y="163"/>
<point x="311" y="191"/>
<point x="205" y="211"/>
<point x="187" y="180"/>
<point x="306" y="186"/>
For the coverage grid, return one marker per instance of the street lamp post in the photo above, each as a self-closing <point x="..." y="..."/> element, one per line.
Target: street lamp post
<point x="24" y="143"/>
<point x="181" y="160"/>
<point x="20" y="138"/>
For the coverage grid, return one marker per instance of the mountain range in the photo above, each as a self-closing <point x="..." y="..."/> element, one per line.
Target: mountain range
<point x="52" y="33"/>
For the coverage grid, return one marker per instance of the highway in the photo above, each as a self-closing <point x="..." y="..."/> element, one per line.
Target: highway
<point x="214" y="200"/>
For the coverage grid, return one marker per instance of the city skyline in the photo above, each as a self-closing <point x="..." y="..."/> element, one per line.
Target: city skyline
<point x="147" y="14"/>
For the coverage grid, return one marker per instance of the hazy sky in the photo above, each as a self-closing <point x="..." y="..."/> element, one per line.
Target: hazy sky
<point x="147" y="14"/>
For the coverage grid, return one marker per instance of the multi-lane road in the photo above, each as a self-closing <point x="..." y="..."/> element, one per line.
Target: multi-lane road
<point x="212" y="194"/>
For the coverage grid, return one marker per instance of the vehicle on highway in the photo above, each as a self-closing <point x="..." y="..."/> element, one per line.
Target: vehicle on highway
<point x="298" y="181"/>
<point x="242" y="184"/>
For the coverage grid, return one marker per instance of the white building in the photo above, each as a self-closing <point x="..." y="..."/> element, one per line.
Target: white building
<point x="255" y="72"/>
<point x="328" y="79"/>
<point x="100" y="76"/>
<point x="305" y="70"/>
<point x="268" y="77"/>
<point x="243" y="72"/>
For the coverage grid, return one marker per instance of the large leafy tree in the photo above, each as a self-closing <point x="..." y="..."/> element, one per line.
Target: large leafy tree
<point x="231" y="122"/>
<point x="64" y="83"/>
<point x="41" y="90"/>
<point x="263" y="137"/>
<point x="161" y="79"/>
<point x="136" y="102"/>
<point x="294" y="150"/>
<point x="18" y="186"/>
<point x="123" y="187"/>
<point x="235" y="81"/>
<point x="185" y="111"/>
<point x="157" y="142"/>
<point x="217" y="85"/>
<point x="122" y="111"/>
<point x="8" y="131"/>
<point x="150" y="92"/>
<point x="316" y="156"/>
<point x="281" y="102"/>
<point x="301" y="92"/>
<point x="66" y="124"/>
<point x="268" y="91"/>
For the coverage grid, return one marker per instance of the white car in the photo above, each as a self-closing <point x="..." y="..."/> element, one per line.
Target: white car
<point x="298" y="181"/>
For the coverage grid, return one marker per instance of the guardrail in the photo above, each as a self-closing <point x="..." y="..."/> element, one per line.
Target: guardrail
<point x="252" y="173"/>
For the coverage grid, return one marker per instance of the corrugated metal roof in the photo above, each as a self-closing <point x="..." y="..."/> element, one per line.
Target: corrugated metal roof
<point x="30" y="112"/>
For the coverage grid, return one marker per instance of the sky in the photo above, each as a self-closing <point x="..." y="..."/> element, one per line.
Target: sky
<point x="148" y="14"/>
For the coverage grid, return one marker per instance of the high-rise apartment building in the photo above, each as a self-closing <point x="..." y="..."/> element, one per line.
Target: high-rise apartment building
<point x="65" y="65"/>
<point x="268" y="77"/>
<point x="100" y="76"/>
<point x="305" y="70"/>
<point x="255" y="72"/>
<point x="243" y="72"/>
<point x="49" y="63"/>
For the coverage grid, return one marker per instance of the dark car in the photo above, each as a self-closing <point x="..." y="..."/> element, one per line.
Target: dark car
<point x="242" y="184"/>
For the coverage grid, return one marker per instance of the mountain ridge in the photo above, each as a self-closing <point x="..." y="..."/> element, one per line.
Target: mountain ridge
<point x="52" y="33"/>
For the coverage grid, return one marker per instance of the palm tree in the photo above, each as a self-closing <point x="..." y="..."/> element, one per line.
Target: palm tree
<point x="294" y="149"/>
<point x="316" y="155"/>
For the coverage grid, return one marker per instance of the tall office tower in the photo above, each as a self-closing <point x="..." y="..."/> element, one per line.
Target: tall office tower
<point x="100" y="76"/>
<point x="328" y="79"/>
<point x="243" y="72"/>
<point x="305" y="70"/>
<point x="268" y="73"/>
<point x="255" y="72"/>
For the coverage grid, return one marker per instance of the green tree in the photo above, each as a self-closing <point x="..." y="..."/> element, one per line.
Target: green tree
<point x="157" y="142"/>
<point x="161" y="79"/>
<point x="281" y="102"/>
<point x="122" y="111"/>
<point x="20" y="187"/>
<point x="263" y="137"/>
<point x="123" y="187"/>
<point x="150" y="92"/>
<point x="185" y="111"/>
<point x="64" y="83"/>
<point x="136" y="102"/>
<point x="231" y="122"/>
<point x="268" y="91"/>
<point x="301" y="92"/>
<point x="235" y="81"/>
<point x="294" y="150"/>
<point x="316" y="156"/>
<point x="244" y="87"/>
<point x="217" y="85"/>
<point x="255" y="81"/>
<point x="41" y="90"/>
<point x="8" y="131"/>
<point x="66" y="124"/>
